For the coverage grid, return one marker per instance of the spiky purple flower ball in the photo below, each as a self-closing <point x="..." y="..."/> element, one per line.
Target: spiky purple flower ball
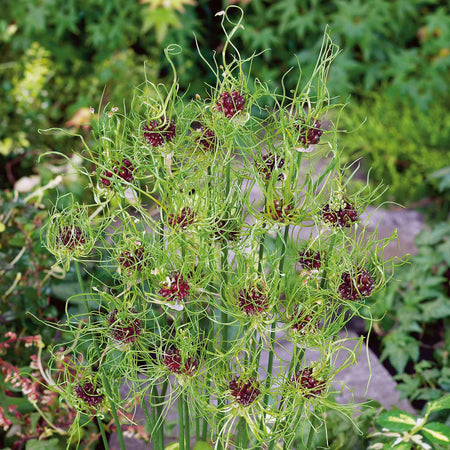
<point x="89" y="393"/>
<point x="356" y="286"/>
<point x="230" y="104"/>
<point x="245" y="392"/>
<point x="157" y="132"/>
<point x="305" y="380"/>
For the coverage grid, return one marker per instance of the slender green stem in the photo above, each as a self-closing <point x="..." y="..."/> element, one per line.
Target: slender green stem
<point x="224" y="265"/>
<point x="102" y="432"/>
<point x="149" y="420"/>
<point x="187" y="430"/>
<point x="103" y="374"/>
<point x="159" y="413"/>
<point x="197" y="428"/>
<point x="242" y="434"/>
<point x="205" y="420"/>
<point x="310" y="437"/>
<point x="180" y="422"/>
<point x="327" y="258"/>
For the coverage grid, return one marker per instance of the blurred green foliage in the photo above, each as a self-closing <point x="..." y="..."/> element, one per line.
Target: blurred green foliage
<point x="415" y="330"/>
<point x="400" y="144"/>
<point x="59" y="55"/>
<point x="400" y="42"/>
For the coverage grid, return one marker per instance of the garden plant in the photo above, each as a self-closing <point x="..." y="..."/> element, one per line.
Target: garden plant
<point x="220" y="229"/>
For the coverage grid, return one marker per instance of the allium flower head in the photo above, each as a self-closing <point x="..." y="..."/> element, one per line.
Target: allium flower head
<point x="174" y="290"/>
<point x="311" y="133"/>
<point x="230" y="104"/>
<point x="308" y="383"/>
<point x="157" y="133"/>
<point x="173" y="361"/>
<point x="253" y="301"/>
<point x="206" y="139"/>
<point x="185" y="218"/>
<point x="71" y="237"/>
<point x="303" y="322"/>
<point x="343" y="216"/>
<point x="310" y="260"/>
<point x="132" y="259"/>
<point x="279" y="211"/>
<point x="270" y="163"/>
<point x="123" y="170"/>
<point x="124" y="331"/>
<point x="245" y="392"/>
<point x="89" y="393"/>
<point x="356" y="286"/>
<point x="225" y="228"/>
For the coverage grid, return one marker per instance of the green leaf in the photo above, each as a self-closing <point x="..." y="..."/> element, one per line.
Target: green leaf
<point x="397" y="420"/>
<point x="173" y="446"/>
<point x="36" y="444"/>
<point x="436" y="432"/>
<point x="161" y="19"/>
<point x="440" y="404"/>
<point x="202" y="445"/>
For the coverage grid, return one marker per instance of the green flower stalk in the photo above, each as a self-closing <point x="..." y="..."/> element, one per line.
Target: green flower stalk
<point x="214" y="236"/>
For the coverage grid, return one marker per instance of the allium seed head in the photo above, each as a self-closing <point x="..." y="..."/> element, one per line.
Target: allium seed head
<point x="71" y="237"/>
<point x="125" y="331"/>
<point x="245" y="392"/>
<point x="230" y="104"/>
<point x="356" y="286"/>
<point x="345" y="216"/>
<point x="157" y="133"/>
<point x="310" y="386"/>
<point x="89" y="393"/>
<point x="253" y="301"/>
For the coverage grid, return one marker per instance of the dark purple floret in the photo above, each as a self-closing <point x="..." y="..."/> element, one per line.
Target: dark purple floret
<point x="71" y="237"/>
<point x="157" y="133"/>
<point x="309" y="134"/>
<point x="253" y="301"/>
<point x="230" y="104"/>
<point x="125" y="331"/>
<point x="356" y="286"/>
<point x="89" y="394"/>
<point x="305" y="380"/>
<point x="343" y="217"/>
<point x="244" y="392"/>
